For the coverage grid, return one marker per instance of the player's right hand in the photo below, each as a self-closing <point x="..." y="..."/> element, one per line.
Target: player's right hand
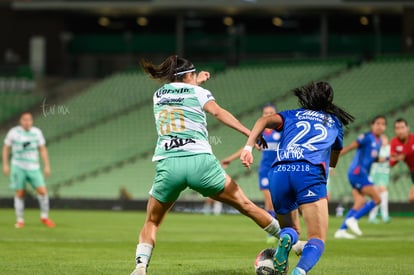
<point x="261" y="143"/>
<point x="246" y="158"/>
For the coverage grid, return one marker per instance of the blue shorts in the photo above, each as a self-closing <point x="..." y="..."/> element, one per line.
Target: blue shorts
<point x="264" y="179"/>
<point x="359" y="181"/>
<point x="296" y="183"/>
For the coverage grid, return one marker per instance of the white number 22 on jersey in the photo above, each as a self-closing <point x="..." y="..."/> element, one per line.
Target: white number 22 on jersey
<point x="306" y="127"/>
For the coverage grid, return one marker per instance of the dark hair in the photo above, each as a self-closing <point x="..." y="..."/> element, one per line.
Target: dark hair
<point x="378" y="117"/>
<point x="318" y="96"/>
<point x="269" y="104"/>
<point x="173" y="68"/>
<point x="400" y="119"/>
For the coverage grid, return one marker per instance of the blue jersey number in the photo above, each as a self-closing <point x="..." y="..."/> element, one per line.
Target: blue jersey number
<point x="306" y="128"/>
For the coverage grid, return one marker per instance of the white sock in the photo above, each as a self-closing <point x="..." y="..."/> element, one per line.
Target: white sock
<point x="384" y="205"/>
<point x="207" y="208"/>
<point x="217" y="207"/>
<point x="44" y="206"/>
<point x="373" y="213"/>
<point x="19" y="208"/>
<point x="143" y="253"/>
<point x="273" y="228"/>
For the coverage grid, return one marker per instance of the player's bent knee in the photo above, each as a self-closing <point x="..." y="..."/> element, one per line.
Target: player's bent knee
<point x="20" y="193"/>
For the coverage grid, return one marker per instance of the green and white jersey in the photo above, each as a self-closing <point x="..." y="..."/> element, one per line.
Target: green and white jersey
<point x="380" y="171"/>
<point x="180" y="120"/>
<point x="24" y="145"/>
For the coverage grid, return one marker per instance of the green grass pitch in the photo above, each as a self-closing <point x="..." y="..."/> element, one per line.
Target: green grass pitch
<point x="103" y="242"/>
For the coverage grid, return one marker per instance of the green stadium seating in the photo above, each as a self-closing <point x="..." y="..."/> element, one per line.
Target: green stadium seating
<point x="108" y="138"/>
<point x="223" y="139"/>
<point x="12" y="104"/>
<point x="116" y="94"/>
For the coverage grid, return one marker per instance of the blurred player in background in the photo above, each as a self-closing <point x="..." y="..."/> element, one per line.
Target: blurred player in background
<point x="271" y="136"/>
<point x="380" y="175"/>
<point x="367" y="152"/>
<point x="183" y="153"/>
<point x="311" y="139"/>
<point x="402" y="149"/>
<point x="26" y="141"/>
<point x="212" y="206"/>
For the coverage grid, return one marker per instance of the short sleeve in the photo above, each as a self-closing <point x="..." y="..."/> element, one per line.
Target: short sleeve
<point x="363" y="139"/>
<point x="339" y="141"/>
<point x="204" y="96"/>
<point x="282" y="116"/>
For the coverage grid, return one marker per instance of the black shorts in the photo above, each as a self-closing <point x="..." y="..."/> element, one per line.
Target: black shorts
<point x="412" y="176"/>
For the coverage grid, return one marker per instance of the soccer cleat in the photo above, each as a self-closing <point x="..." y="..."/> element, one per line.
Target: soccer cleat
<point x="48" y="222"/>
<point x="140" y="270"/>
<point x="373" y="221"/>
<point x="280" y="260"/>
<point x="342" y="234"/>
<point x="352" y="223"/>
<point x="386" y="220"/>
<point x="298" y="247"/>
<point x="298" y="271"/>
<point x="19" y="225"/>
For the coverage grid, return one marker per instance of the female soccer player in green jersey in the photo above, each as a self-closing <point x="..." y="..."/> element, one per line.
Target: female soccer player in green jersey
<point x="25" y="142"/>
<point x="183" y="153"/>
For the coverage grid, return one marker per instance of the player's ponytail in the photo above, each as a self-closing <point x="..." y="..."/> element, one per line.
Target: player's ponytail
<point x="171" y="69"/>
<point x="318" y="96"/>
<point x="341" y="114"/>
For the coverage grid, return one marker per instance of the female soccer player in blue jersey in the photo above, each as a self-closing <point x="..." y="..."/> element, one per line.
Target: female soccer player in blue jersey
<point x="368" y="146"/>
<point x="183" y="153"/>
<point x="311" y="140"/>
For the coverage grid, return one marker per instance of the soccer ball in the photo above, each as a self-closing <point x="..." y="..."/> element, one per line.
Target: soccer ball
<point x="263" y="265"/>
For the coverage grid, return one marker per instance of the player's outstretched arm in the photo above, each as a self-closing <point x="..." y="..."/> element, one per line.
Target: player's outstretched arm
<point x="226" y="161"/>
<point x="225" y="117"/>
<point x="272" y="121"/>
<point x="354" y="145"/>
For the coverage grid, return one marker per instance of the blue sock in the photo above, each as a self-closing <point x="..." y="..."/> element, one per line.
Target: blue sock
<point x="311" y="254"/>
<point x="350" y="213"/>
<point x="272" y="213"/>
<point x="291" y="232"/>
<point x="364" y="210"/>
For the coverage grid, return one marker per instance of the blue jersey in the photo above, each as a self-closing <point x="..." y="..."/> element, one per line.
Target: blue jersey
<point x="272" y="138"/>
<point x="309" y="136"/>
<point x="367" y="152"/>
